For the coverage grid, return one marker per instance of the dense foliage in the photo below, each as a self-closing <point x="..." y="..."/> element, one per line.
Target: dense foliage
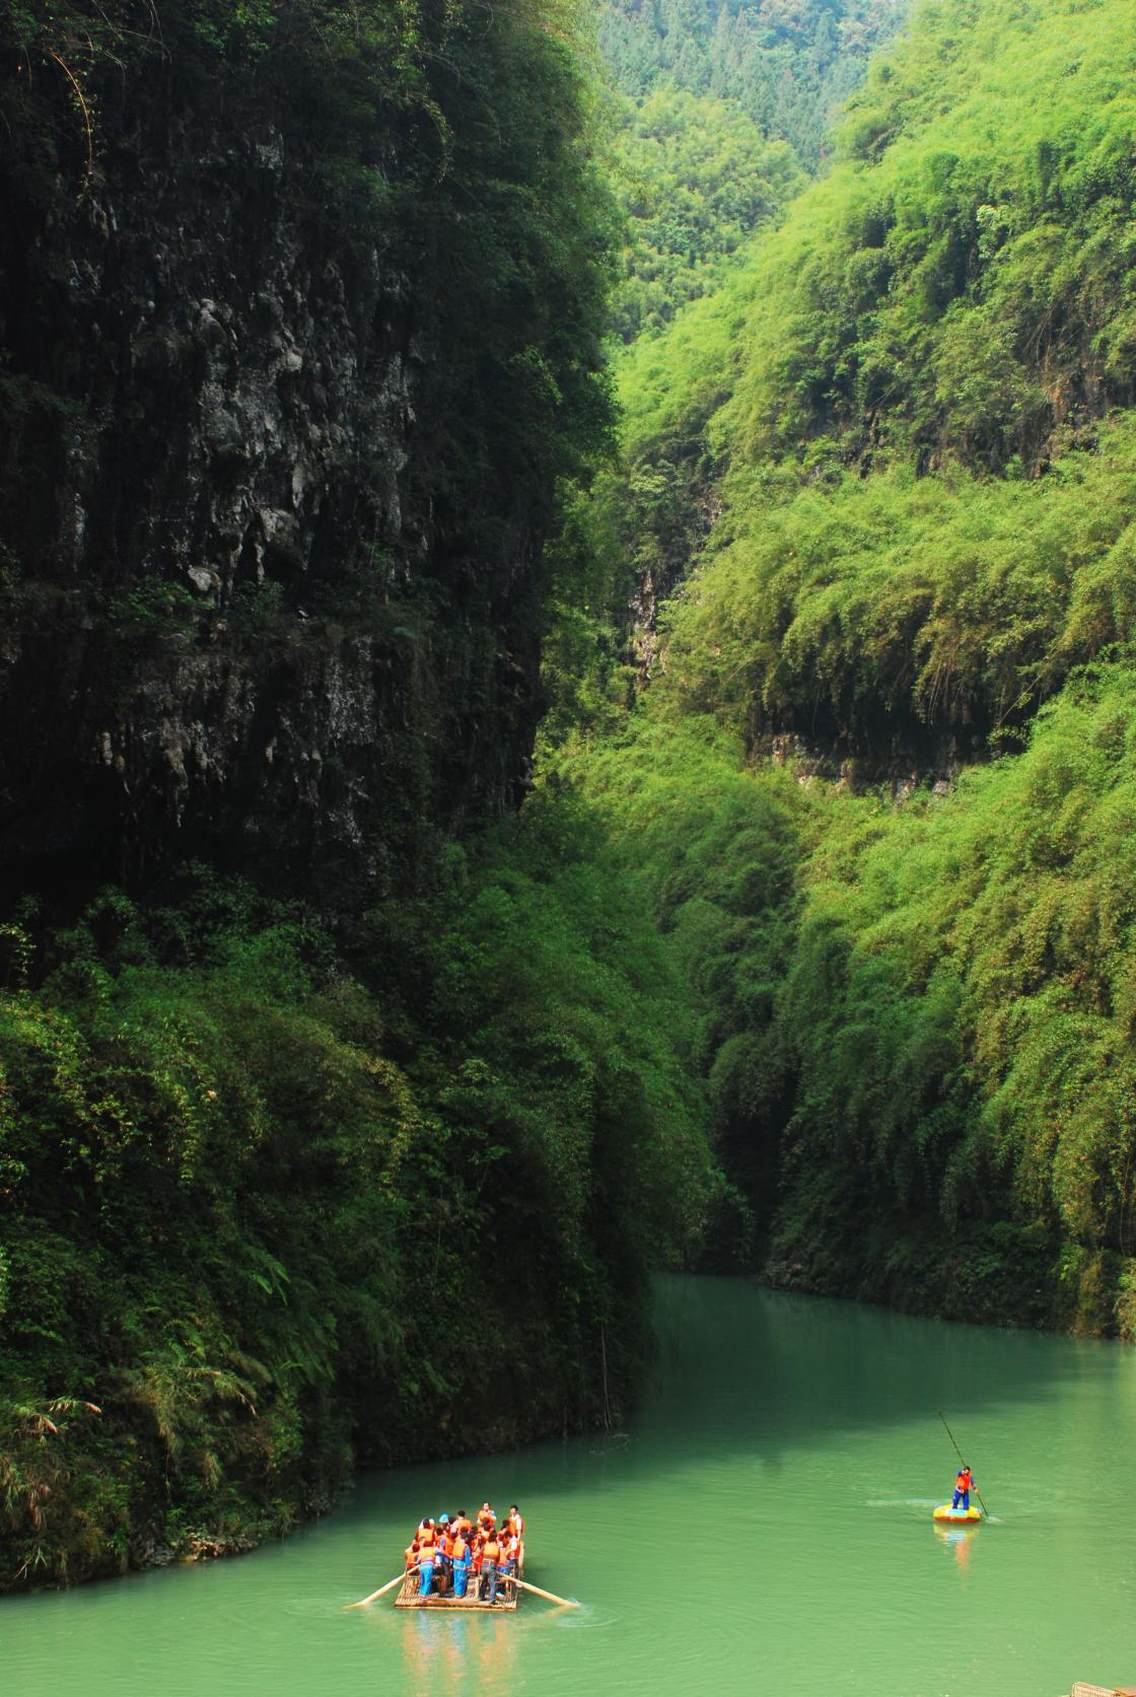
<point x="958" y="1013"/>
<point x="695" y="177"/>
<point x="889" y="466"/>
<point x="923" y="307"/>
<point x="261" y="1210"/>
<point x="787" y="63"/>
<point x="893" y="612"/>
<point x="914" y="1020"/>
<point x="960" y="285"/>
<point x="719" y="112"/>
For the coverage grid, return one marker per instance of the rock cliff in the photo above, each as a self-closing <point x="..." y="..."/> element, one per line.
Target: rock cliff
<point x="268" y="597"/>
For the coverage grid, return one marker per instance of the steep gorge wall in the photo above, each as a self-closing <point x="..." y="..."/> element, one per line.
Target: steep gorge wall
<point x="301" y="306"/>
<point x="269" y="597"/>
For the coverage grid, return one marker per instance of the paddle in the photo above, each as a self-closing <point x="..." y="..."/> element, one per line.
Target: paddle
<point x="962" y="1458"/>
<point x="382" y="1590"/>
<point x="549" y="1596"/>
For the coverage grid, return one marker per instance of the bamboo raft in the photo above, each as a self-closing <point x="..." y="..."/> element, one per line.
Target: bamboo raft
<point x="508" y="1596"/>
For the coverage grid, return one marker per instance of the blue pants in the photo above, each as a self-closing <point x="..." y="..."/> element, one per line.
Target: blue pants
<point x="962" y="1497"/>
<point x="461" y="1577"/>
<point x="426" y="1570"/>
<point x="489" y="1571"/>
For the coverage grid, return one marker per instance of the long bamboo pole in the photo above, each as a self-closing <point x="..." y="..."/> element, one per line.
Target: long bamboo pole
<point x="962" y="1458"/>
<point x="382" y="1590"/>
<point x="549" y="1596"/>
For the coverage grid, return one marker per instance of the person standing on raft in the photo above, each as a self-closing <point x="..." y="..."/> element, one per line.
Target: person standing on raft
<point x="427" y="1543"/>
<point x="462" y="1558"/>
<point x="964" y="1484"/>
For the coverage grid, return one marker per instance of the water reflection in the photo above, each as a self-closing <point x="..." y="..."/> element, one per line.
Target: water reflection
<point x="448" y="1654"/>
<point x="959" y="1541"/>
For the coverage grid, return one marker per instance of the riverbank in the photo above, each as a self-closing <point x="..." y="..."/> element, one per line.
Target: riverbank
<point x="998" y="1273"/>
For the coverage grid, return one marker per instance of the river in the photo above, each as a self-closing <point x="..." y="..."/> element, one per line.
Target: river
<point x="763" y="1525"/>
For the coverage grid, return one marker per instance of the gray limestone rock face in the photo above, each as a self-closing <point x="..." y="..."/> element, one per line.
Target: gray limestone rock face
<point x="238" y="621"/>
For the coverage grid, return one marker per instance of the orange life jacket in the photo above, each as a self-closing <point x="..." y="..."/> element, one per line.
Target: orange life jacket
<point x="427" y="1538"/>
<point x="491" y="1550"/>
<point x="964" y="1480"/>
<point x="411" y="1554"/>
<point x="460" y="1549"/>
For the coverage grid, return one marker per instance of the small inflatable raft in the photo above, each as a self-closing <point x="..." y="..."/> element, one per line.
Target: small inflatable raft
<point x="948" y="1516"/>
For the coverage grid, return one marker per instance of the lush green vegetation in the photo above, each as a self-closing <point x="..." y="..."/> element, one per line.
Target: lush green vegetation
<point x="914" y="1019"/>
<point x="249" y="1193"/>
<point x="787" y="63"/>
<point x="889" y="465"/>
<point x="850" y="344"/>
<point x="960" y="285"/>
<point x="695" y="177"/>
<point x="895" y="611"/>
<point x="958" y="1017"/>
<point x="719" y="113"/>
<point x="724" y="111"/>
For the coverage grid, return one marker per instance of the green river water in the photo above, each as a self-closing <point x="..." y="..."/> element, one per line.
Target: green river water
<point x="762" y="1526"/>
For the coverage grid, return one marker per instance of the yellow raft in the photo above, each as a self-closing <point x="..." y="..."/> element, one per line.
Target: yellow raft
<point x="949" y="1516"/>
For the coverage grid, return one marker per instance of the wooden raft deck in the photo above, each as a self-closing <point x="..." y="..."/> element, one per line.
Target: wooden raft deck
<point x="508" y="1599"/>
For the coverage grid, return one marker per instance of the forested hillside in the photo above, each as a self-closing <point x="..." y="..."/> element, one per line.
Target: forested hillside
<point x="717" y="114"/>
<point x="789" y="64"/>
<point x="881" y="779"/>
<point x="696" y="177"/>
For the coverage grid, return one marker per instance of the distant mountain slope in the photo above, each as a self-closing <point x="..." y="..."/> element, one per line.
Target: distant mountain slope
<point x="718" y="113"/>
<point x="695" y="177"/>
<point x="787" y="63"/>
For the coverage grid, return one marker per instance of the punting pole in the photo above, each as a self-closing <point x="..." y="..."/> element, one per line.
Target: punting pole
<point x="962" y="1458"/>
<point x="549" y="1596"/>
<point x="382" y="1590"/>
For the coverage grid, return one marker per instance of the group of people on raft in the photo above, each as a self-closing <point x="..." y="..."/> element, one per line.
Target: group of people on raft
<point x="452" y="1550"/>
